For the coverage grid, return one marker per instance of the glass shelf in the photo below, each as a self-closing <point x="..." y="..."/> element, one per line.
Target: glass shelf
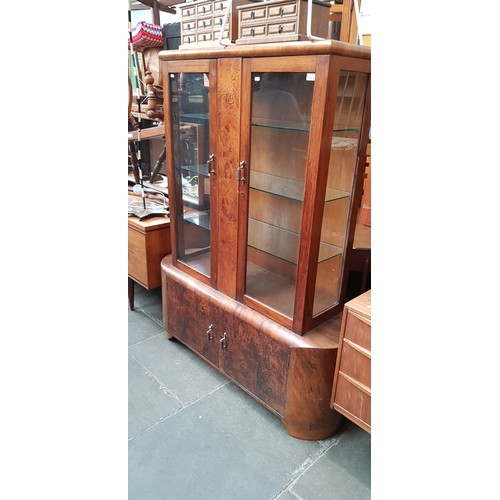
<point x="281" y="243"/>
<point x="196" y="169"/>
<point x="195" y="116"/>
<point x="275" y="124"/>
<point x="197" y="218"/>
<point x="288" y="188"/>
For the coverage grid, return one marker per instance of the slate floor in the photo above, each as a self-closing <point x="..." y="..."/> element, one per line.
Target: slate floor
<point x="194" y="435"/>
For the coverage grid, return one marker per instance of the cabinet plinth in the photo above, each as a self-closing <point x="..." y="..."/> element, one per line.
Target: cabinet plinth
<point x="290" y="375"/>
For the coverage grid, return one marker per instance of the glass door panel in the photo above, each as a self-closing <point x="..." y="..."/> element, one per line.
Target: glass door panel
<point x="190" y="119"/>
<point x="343" y="160"/>
<point x="280" y="120"/>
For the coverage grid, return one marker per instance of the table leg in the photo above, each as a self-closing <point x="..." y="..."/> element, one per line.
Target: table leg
<point x="131" y="293"/>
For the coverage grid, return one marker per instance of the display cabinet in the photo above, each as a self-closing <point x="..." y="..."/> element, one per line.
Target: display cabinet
<point x="260" y="246"/>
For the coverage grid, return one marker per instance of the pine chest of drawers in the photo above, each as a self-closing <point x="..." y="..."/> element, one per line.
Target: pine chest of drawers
<point x="281" y="21"/>
<point x="202" y="21"/>
<point x="351" y="394"/>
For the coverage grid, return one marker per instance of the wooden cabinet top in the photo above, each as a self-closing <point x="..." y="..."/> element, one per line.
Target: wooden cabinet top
<point x="362" y="304"/>
<point x="271" y="49"/>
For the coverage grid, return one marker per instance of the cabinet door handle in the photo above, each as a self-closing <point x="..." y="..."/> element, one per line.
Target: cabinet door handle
<point x="210" y="162"/>
<point x="239" y="171"/>
<point x="223" y="340"/>
<point x="210" y="335"/>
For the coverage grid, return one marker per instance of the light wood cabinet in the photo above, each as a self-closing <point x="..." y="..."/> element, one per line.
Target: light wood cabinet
<point x="257" y="280"/>
<point x="202" y="22"/>
<point x="148" y="244"/>
<point x="351" y="393"/>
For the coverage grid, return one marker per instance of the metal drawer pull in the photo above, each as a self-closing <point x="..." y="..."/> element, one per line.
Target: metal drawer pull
<point x="282" y="11"/>
<point x="252" y="32"/>
<point x="223" y="340"/>
<point x="252" y="15"/>
<point x="209" y="332"/>
<point x="280" y="29"/>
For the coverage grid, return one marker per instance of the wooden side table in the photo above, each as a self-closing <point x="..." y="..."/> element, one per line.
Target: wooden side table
<point x="351" y="392"/>
<point x="148" y="243"/>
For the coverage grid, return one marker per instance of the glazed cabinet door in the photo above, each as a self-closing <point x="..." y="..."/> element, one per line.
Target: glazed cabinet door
<point x="278" y="96"/>
<point x="190" y="100"/>
<point x="302" y="120"/>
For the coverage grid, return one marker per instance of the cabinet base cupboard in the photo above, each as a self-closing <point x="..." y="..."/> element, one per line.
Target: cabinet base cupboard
<point x="265" y="159"/>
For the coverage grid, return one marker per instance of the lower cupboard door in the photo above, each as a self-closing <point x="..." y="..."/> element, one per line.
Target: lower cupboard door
<point x="256" y="361"/>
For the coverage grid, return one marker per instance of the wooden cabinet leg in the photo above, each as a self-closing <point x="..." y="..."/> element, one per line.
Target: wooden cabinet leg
<point x="131" y="293"/>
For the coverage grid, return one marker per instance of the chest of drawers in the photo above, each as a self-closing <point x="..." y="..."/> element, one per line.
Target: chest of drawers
<point x="281" y="21"/>
<point x="201" y="22"/>
<point x="351" y="394"/>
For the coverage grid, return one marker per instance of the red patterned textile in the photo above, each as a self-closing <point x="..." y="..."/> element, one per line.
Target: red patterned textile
<point x="146" y="35"/>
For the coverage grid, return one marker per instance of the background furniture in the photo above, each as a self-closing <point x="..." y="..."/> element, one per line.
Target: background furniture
<point x="351" y="393"/>
<point x="258" y="276"/>
<point x="148" y="243"/>
<point x="281" y="21"/>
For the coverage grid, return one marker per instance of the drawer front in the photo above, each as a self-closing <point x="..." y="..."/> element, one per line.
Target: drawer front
<point x="188" y="12"/>
<point x="282" y="28"/>
<point x="253" y="14"/>
<point x="205" y="9"/>
<point x="283" y="10"/>
<point x="137" y="267"/>
<point x="137" y="242"/>
<point x="220" y="7"/>
<point x="219" y="21"/>
<point x="355" y="364"/>
<point x="189" y="26"/>
<point x="204" y="24"/>
<point x="188" y="38"/>
<point x="205" y="37"/>
<point x="355" y="401"/>
<point x="358" y="330"/>
<point x="253" y="31"/>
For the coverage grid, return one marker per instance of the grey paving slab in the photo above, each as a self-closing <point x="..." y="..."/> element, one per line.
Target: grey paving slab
<point x="150" y="302"/>
<point x="148" y="401"/>
<point x="141" y="327"/>
<point x="286" y="495"/>
<point x="224" y="447"/>
<point x="181" y="371"/>
<point x="343" y="472"/>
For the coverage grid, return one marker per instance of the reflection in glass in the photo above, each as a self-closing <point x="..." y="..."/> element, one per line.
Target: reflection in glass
<point x="343" y="160"/>
<point x="280" y="120"/>
<point x="191" y="123"/>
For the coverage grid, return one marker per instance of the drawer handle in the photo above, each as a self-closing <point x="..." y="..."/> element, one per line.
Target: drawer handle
<point x="204" y="23"/>
<point x="210" y="335"/>
<point x="252" y="31"/>
<point x="189" y="26"/>
<point x="280" y="29"/>
<point x="221" y="6"/>
<point x="204" y="37"/>
<point x="203" y="9"/>
<point x="282" y="11"/>
<point x="252" y="15"/>
<point x="220" y="21"/>
<point x="223" y="341"/>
